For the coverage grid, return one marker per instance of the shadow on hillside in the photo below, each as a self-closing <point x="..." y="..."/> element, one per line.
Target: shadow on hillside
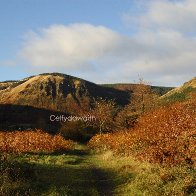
<point x="18" y="117"/>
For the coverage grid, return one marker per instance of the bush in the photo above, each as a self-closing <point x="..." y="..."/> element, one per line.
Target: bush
<point x="32" y="141"/>
<point x="165" y="136"/>
<point x="77" y="131"/>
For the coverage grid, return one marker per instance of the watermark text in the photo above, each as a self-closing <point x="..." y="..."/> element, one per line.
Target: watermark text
<point x="62" y="118"/>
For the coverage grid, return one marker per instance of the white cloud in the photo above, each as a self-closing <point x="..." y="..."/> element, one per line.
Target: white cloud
<point x="171" y="14"/>
<point x="179" y="15"/>
<point x="161" y="51"/>
<point x="73" y="46"/>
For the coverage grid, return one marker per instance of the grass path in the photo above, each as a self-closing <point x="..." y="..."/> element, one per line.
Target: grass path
<point x="80" y="173"/>
<point x="75" y="173"/>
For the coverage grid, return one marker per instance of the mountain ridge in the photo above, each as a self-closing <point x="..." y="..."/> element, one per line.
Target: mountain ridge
<point x="57" y="91"/>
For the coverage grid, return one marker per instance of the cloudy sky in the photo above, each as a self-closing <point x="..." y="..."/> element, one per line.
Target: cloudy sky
<point x="104" y="41"/>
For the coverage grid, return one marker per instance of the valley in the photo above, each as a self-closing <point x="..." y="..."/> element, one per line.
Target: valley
<point x="142" y="141"/>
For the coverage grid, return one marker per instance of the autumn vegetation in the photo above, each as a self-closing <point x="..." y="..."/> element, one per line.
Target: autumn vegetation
<point x="165" y="135"/>
<point x="149" y="144"/>
<point x="153" y="148"/>
<point x="32" y="141"/>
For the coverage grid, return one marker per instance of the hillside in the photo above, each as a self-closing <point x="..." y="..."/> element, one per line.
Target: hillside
<point x="181" y="93"/>
<point x="62" y="92"/>
<point x="56" y="91"/>
<point x="159" y="90"/>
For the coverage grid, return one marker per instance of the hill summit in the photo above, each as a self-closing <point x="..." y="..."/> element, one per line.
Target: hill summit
<point x="57" y="91"/>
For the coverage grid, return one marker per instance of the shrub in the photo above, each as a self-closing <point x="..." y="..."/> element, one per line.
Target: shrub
<point x="32" y="141"/>
<point x="165" y="136"/>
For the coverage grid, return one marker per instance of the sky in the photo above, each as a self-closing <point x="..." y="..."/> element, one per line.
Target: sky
<point x="103" y="41"/>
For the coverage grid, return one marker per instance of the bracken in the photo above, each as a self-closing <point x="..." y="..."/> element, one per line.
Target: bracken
<point x="32" y="141"/>
<point x="166" y="136"/>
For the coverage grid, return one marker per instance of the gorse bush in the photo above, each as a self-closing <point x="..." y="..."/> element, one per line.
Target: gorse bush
<point x="165" y="136"/>
<point x="32" y="141"/>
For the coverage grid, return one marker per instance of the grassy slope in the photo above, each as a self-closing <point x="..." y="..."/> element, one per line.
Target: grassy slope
<point x="181" y="93"/>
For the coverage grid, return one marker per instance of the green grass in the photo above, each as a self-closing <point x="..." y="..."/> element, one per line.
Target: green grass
<point x="180" y="96"/>
<point x="82" y="173"/>
<point x="72" y="173"/>
<point x="137" y="178"/>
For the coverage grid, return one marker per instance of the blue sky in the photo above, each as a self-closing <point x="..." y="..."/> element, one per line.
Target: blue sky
<point x="19" y="16"/>
<point x="103" y="41"/>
